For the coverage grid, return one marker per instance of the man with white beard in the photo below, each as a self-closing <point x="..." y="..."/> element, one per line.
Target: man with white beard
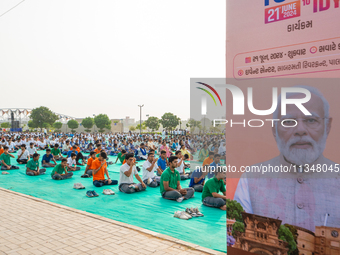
<point x="303" y="197"/>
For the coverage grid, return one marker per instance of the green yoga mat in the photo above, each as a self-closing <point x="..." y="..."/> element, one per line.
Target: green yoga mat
<point x="144" y="209"/>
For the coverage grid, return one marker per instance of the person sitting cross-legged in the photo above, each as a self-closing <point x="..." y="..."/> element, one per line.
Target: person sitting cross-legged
<point x="5" y="159"/>
<point x="212" y="187"/>
<point x="71" y="163"/>
<point x="66" y="147"/>
<point x="141" y="152"/>
<point x="162" y="163"/>
<point x="47" y="158"/>
<point x="23" y="155"/>
<point x="198" y="178"/>
<point x="181" y="166"/>
<point x="99" y="167"/>
<point x="31" y="149"/>
<point x="214" y="165"/>
<point x="59" y="172"/>
<point x="32" y="167"/>
<point x="149" y="168"/>
<point x="56" y="152"/>
<point x="127" y="171"/>
<point x="121" y="156"/>
<point x="170" y="185"/>
<point x="89" y="169"/>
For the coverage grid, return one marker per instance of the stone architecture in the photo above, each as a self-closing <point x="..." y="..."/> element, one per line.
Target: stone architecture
<point x="261" y="236"/>
<point x="325" y="241"/>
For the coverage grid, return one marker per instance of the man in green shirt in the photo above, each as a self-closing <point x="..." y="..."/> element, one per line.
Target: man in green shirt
<point x="212" y="187"/>
<point x="56" y="152"/>
<point x="32" y="166"/>
<point x="5" y="159"/>
<point x="121" y="156"/>
<point x="170" y="185"/>
<point x="59" y="172"/>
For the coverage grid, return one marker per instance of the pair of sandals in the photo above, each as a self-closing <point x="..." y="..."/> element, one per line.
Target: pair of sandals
<point x="91" y="193"/>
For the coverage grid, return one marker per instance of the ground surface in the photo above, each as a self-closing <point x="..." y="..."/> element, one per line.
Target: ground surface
<point x="147" y="210"/>
<point x="31" y="225"/>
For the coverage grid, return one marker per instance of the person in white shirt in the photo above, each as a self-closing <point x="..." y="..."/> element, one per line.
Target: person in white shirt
<point x="10" y="146"/>
<point x="180" y="165"/>
<point x="71" y="163"/>
<point x="31" y="149"/>
<point x="66" y="147"/>
<point x="42" y="144"/>
<point x="151" y="144"/>
<point x="142" y="152"/>
<point x="150" y="167"/>
<point x="17" y="144"/>
<point x="127" y="171"/>
<point x="23" y="155"/>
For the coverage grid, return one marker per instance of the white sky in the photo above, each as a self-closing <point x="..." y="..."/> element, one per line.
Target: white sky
<point x="82" y="57"/>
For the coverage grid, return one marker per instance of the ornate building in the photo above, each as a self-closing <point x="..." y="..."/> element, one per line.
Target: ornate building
<point x="325" y="241"/>
<point x="261" y="236"/>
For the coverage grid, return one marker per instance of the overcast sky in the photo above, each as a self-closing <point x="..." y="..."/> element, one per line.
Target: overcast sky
<point x="82" y="57"/>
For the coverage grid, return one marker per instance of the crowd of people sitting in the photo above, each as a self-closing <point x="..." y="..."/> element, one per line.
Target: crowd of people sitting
<point x="164" y="161"/>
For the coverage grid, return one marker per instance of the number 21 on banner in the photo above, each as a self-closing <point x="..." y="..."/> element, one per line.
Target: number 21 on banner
<point x="282" y="12"/>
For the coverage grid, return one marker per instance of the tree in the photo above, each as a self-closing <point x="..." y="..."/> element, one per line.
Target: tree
<point x="152" y="123"/>
<point x="295" y="234"/>
<point x="237" y="227"/>
<point x="42" y="116"/>
<point x="193" y="124"/>
<point x="286" y="235"/>
<point x="57" y="125"/>
<point x="143" y="126"/>
<point x="102" y="121"/>
<point x="5" y="125"/>
<point x="31" y="124"/>
<point x="73" y="124"/>
<point x="169" y="120"/>
<point x="234" y="210"/>
<point x="132" y="128"/>
<point x="87" y="123"/>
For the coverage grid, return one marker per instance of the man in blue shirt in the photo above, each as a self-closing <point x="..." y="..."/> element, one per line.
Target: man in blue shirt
<point x="162" y="162"/>
<point x="198" y="178"/>
<point x="47" y="158"/>
<point x="214" y="165"/>
<point x="174" y="145"/>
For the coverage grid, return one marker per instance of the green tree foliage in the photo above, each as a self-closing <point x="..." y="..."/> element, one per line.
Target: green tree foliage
<point x="143" y="126"/>
<point x="5" y="125"/>
<point x="234" y="210"/>
<point x="73" y="124"/>
<point x="152" y="123"/>
<point x="42" y="116"/>
<point x="169" y="121"/>
<point x="57" y="125"/>
<point x="31" y="124"/>
<point x="287" y="236"/>
<point x="87" y="123"/>
<point x="295" y="234"/>
<point x="102" y="121"/>
<point x="192" y="124"/>
<point x="132" y="128"/>
<point x="237" y="227"/>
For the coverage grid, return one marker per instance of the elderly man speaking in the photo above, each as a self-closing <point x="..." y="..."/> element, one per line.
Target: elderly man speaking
<point x="308" y="192"/>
